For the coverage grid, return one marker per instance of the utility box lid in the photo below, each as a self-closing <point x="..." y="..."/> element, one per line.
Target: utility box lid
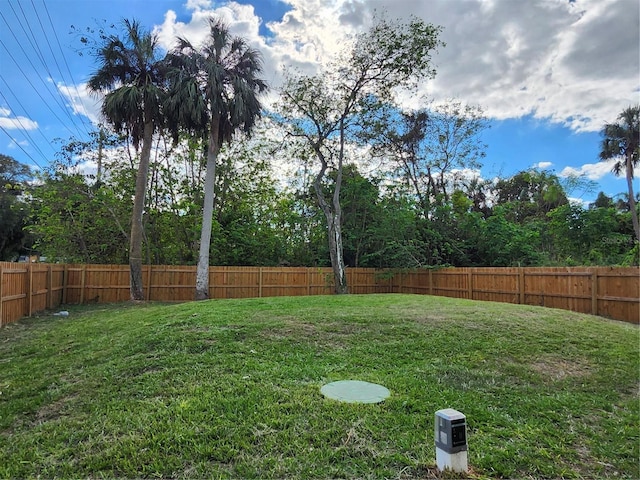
<point x="355" y="391"/>
<point x="450" y="414"/>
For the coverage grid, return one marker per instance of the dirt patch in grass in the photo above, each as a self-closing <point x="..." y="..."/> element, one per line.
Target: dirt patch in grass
<point x="290" y="330"/>
<point x="55" y="410"/>
<point x="556" y="368"/>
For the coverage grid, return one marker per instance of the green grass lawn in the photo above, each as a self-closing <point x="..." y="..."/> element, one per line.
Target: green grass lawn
<point x="231" y="389"/>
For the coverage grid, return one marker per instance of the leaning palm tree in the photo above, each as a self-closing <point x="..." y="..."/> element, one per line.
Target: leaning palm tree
<point x="621" y="142"/>
<point x="213" y="91"/>
<point x="131" y="73"/>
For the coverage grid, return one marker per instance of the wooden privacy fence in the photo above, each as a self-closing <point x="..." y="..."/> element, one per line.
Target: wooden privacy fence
<point x="606" y="291"/>
<point x="28" y="288"/>
<point x="610" y="292"/>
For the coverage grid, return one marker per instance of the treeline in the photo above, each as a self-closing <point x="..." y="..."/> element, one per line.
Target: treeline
<point x="76" y="213"/>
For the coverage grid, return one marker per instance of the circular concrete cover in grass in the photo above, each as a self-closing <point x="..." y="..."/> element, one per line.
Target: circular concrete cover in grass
<point x="355" y="391"/>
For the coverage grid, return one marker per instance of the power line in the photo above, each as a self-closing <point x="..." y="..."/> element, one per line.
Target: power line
<point x="55" y="60"/>
<point x="20" y="146"/>
<point x="57" y="96"/>
<point x="34" y="88"/>
<point x="40" y="55"/>
<point x="8" y="87"/>
<point x="64" y="58"/>
<point x="27" y="78"/>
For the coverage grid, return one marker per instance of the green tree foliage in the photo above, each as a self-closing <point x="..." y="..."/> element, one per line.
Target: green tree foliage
<point x="359" y="198"/>
<point x="14" y="210"/>
<point x="529" y="195"/>
<point x="213" y="197"/>
<point x="602" y="235"/>
<point x="74" y="222"/>
<point x="75" y="216"/>
<point x="248" y="210"/>
<point x="504" y="243"/>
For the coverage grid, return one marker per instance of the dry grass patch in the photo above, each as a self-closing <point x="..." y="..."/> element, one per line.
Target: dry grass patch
<point x="558" y="368"/>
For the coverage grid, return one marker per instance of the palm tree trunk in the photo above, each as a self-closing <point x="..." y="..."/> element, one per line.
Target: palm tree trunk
<point x="632" y="199"/>
<point x="202" y="271"/>
<point x="135" y="240"/>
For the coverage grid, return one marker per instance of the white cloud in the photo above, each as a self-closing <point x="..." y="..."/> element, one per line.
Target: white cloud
<point x="309" y="34"/>
<point x="15" y="144"/>
<point x="543" y="165"/>
<point x="198" y="4"/>
<point x="9" y="122"/>
<point x="241" y="19"/>
<point x="580" y="202"/>
<point x="82" y="101"/>
<point x="593" y="171"/>
<point x="573" y="63"/>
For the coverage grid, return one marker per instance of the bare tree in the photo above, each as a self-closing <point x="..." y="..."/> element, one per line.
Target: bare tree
<point x="326" y="110"/>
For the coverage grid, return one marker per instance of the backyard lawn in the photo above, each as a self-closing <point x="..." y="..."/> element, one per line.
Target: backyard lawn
<point x="231" y="389"/>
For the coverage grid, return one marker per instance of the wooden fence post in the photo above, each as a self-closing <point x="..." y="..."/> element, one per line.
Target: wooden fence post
<point x="29" y="289"/>
<point x="521" y="286"/>
<point x="65" y="281"/>
<point x="49" y="287"/>
<point x="83" y="280"/>
<point x="430" y="282"/>
<point x="1" y="292"/>
<point x="149" y="282"/>
<point x="470" y="286"/>
<point x="260" y="282"/>
<point x="594" y="292"/>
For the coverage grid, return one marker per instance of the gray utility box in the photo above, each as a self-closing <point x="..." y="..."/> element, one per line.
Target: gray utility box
<point x="451" y="431"/>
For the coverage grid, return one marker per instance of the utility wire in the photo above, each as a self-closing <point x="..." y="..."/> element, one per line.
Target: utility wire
<point x="64" y="58"/>
<point x="55" y="59"/>
<point x="9" y="89"/>
<point x="40" y="56"/>
<point x="34" y="88"/>
<point x="25" y="132"/>
<point x="21" y="148"/>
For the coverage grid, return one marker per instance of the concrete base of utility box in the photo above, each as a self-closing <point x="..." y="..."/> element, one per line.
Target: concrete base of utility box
<point x="456" y="462"/>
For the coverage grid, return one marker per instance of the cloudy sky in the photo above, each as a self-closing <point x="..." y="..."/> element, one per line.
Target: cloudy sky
<point x="548" y="73"/>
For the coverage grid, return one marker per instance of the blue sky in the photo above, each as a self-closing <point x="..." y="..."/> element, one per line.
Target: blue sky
<point x="548" y="74"/>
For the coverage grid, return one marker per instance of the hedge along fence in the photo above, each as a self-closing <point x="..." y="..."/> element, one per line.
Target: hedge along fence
<point x="26" y="289"/>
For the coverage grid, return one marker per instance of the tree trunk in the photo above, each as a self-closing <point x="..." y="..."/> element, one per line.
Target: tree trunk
<point x="336" y="253"/>
<point x="632" y="198"/>
<point x="202" y="271"/>
<point x="333" y="214"/>
<point x="135" y="240"/>
<point x="335" y="228"/>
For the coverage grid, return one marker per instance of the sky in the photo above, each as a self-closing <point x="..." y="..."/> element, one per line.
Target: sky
<point x="548" y="74"/>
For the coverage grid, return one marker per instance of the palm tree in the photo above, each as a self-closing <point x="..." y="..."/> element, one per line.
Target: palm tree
<point x="131" y="72"/>
<point x="214" y="92"/>
<point x="621" y="142"/>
